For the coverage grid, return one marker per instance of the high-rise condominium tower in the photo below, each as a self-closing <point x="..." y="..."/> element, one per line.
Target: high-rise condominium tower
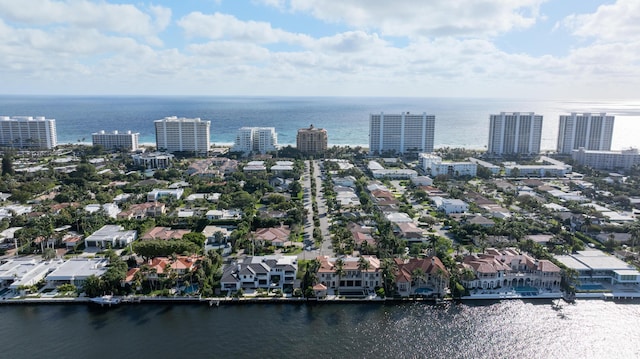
<point x="312" y="140"/>
<point x="28" y="132"/>
<point x="116" y="140"/>
<point x="401" y="133"/>
<point x="515" y="133"/>
<point x="590" y="131"/>
<point x="256" y="140"/>
<point x="175" y="134"/>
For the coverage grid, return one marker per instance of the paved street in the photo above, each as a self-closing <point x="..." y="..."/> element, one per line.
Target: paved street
<point x="322" y="213"/>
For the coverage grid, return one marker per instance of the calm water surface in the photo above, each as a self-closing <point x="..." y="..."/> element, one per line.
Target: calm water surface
<point x="460" y="122"/>
<point x="509" y="329"/>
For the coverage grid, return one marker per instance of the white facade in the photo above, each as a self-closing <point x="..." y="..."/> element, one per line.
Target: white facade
<point x="591" y="131"/>
<point x="449" y="206"/>
<point x="28" y="132"/>
<point x="116" y="140"/>
<point x="400" y="133"/>
<point x="256" y="139"/>
<point x="515" y="133"/>
<point x="175" y="134"/>
<point x="110" y="236"/>
<point x="157" y="194"/>
<point x="433" y="166"/>
<point x="607" y="160"/>
<point x="153" y="160"/>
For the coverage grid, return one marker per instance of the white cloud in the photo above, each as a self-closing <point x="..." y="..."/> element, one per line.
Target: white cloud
<point x="117" y="18"/>
<point x="422" y="18"/>
<point x="223" y="26"/>
<point x="613" y="22"/>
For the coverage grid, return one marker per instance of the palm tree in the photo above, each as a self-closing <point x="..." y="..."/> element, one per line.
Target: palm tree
<point x="418" y="277"/>
<point x="339" y="270"/>
<point x="439" y="276"/>
<point x="388" y="274"/>
<point x="363" y="266"/>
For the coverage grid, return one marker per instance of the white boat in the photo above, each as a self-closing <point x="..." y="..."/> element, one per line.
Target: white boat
<point x="106" y="300"/>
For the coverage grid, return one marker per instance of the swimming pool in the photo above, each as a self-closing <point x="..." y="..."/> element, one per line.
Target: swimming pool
<point x="595" y="286"/>
<point x="526" y="291"/>
<point x="424" y="290"/>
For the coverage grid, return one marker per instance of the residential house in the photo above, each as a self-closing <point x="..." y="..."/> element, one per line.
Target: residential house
<point x="508" y="268"/>
<point x="75" y="271"/>
<point x="448" y="205"/>
<point x="164" y="233"/>
<point x="110" y="236"/>
<point x="277" y="236"/>
<point x="350" y="276"/>
<point x="268" y="272"/>
<point x="421" y="276"/>
<point x="157" y="194"/>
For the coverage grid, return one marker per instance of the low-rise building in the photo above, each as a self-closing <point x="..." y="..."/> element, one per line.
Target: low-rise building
<point x="607" y="160"/>
<point x="268" y="272"/>
<point x="111" y="236"/>
<point x="421" y="276"/>
<point x="350" y="275"/>
<point x="434" y="166"/>
<point x="509" y="268"/>
<point x="450" y="205"/>
<point x="76" y="271"/>
<point x="153" y="160"/>
<point x="594" y="266"/>
<point x="157" y="194"/>
<point x="164" y="234"/>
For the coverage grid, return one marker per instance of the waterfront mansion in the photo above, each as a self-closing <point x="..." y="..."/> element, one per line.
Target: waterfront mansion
<point x="508" y="268"/>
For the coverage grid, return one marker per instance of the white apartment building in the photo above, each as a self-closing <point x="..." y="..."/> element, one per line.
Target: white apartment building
<point x="401" y="133"/>
<point x="116" y="140"/>
<point x="591" y="131"/>
<point x="28" y="132"/>
<point x="433" y="166"/>
<point x="515" y="133"/>
<point x="175" y="134"/>
<point x="607" y="160"/>
<point x="256" y="140"/>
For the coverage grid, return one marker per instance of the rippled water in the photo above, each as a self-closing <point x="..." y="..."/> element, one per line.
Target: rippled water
<point x="509" y="329"/>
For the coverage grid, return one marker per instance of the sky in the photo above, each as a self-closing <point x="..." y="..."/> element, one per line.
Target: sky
<point x="553" y="49"/>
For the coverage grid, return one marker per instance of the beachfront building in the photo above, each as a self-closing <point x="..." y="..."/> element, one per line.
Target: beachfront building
<point x="514" y="133"/>
<point x="434" y="166"/>
<point x="25" y="132"/>
<point x="268" y="272"/>
<point x="312" y="140"/>
<point x="508" y="268"/>
<point x="607" y="160"/>
<point x="256" y="140"/>
<point x="350" y="276"/>
<point x="421" y="276"/>
<point x="401" y="133"/>
<point x="589" y="131"/>
<point x="175" y="134"/>
<point x="115" y="140"/>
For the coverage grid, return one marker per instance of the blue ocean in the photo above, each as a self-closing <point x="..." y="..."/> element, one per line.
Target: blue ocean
<point x="460" y="122"/>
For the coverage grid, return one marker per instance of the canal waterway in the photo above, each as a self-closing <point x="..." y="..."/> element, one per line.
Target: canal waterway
<point x="507" y="329"/>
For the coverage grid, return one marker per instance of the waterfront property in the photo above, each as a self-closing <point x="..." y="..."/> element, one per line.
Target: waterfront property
<point x="256" y="140"/>
<point x="24" y="272"/>
<point x="401" y="133"/>
<point x="509" y="268"/>
<point x="76" y="271"/>
<point x="350" y="276"/>
<point x="515" y="133"/>
<point x="27" y="132"/>
<point x="421" y="276"/>
<point x="589" y="131"/>
<point x="268" y="272"/>
<point x="596" y="267"/>
<point x="115" y="140"/>
<point x="175" y="134"/>
<point x="311" y="140"/>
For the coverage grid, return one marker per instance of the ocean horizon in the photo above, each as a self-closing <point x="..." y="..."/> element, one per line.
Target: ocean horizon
<point x="460" y="122"/>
